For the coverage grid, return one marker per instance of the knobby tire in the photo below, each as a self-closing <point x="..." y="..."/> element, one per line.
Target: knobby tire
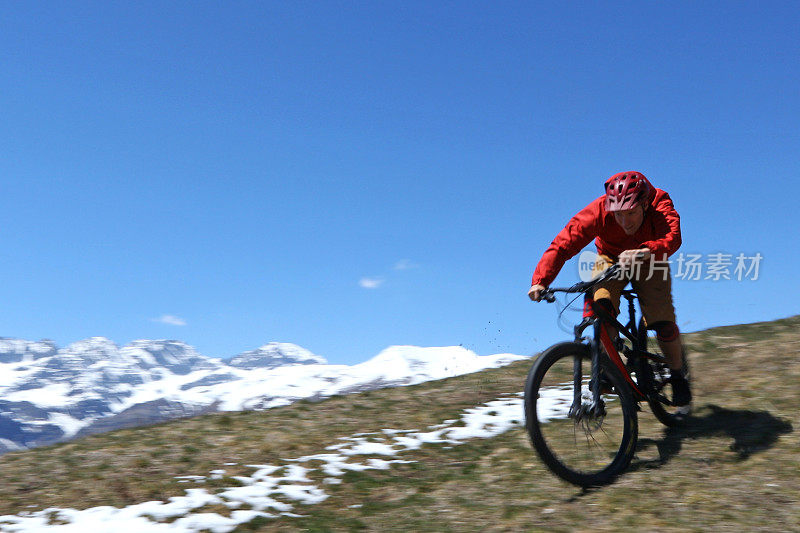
<point x="652" y="379"/>
<point x="584" y="454"/>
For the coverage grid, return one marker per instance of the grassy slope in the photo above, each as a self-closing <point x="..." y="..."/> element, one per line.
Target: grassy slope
<point x="735" y="467"/>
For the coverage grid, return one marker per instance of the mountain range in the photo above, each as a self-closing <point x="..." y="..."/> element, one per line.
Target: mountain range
<point x="50" y="394"/>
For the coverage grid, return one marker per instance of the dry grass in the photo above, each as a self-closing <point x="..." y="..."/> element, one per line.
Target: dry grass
<point x="734" y="467"/>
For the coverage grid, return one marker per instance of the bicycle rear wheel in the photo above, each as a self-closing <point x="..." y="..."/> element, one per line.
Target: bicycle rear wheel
<point x="653" y="377"/>
<point x="583" y="448"/>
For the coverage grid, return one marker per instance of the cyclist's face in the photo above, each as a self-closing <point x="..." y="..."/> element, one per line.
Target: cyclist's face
<point x="630" y="219"/>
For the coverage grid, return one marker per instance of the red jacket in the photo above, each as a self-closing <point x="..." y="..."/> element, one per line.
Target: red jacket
<point x="660" y="231"/>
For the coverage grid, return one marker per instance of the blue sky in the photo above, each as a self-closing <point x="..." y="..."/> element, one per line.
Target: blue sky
<point x="351" y="175"/>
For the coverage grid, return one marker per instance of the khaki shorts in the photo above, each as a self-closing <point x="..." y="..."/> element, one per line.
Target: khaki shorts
<point x="655" y="293"/>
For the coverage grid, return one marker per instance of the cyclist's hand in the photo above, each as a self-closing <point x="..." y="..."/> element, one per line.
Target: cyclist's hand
<point x="629" y="258"/>
<point x="535" y="292"/>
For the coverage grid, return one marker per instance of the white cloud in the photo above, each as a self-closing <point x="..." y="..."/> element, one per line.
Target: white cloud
<point x="371" y="283"/>
<point x="170" y="320"/>
<point x="405" y="264"/>
<point x="377" y="281"/>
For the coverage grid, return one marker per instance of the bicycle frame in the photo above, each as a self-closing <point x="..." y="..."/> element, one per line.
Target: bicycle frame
<point x="600" y="321"/>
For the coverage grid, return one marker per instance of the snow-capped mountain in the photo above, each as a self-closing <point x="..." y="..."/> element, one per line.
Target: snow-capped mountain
<point x="16" y="350"/>
<point x="276" y="354"/>
<point x="49" y="394"/>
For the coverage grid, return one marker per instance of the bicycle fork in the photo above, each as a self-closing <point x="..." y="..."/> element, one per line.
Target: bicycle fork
<point x="596" y="408"/>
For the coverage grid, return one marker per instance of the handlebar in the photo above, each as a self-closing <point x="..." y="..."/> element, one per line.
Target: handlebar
<point x="548" y="295"/>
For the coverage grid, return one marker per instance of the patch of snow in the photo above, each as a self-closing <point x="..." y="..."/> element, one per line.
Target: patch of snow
<point x="69" y="425"/>
<point x="11" y="445"/>
<point x="267" y="488"/>
<point x="52" y="395"/>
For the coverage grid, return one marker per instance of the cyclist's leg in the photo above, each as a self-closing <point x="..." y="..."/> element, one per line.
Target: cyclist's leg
<point x="608" y="294"/>
<point x="655" y="298"/>
<point x="669" y="340"/>
<point x="607" y="305"/>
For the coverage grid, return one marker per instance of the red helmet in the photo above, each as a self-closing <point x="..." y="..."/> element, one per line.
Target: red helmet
<point x="626" y="190"/>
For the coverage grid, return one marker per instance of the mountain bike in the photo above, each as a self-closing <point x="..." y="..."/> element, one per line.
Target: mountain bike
<point x="581" y="398"/>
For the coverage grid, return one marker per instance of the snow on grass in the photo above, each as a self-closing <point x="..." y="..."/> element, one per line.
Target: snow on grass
<point x="274" y="490"/>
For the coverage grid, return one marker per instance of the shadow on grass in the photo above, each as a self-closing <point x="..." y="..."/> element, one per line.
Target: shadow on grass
<point x="751" y="431"/>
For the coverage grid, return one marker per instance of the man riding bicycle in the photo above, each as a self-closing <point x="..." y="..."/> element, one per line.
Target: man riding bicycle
<point x="636" y="225"/>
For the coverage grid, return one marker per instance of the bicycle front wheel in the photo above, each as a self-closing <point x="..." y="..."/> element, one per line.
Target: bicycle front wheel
<point x="579" y="442"/>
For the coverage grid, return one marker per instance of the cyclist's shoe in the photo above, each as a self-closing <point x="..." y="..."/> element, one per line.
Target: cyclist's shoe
<point x="681" y="393"/>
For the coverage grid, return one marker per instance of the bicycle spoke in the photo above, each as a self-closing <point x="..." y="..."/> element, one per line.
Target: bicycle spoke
<point x="601" y="436"/>
<point x="555" y="416"/>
